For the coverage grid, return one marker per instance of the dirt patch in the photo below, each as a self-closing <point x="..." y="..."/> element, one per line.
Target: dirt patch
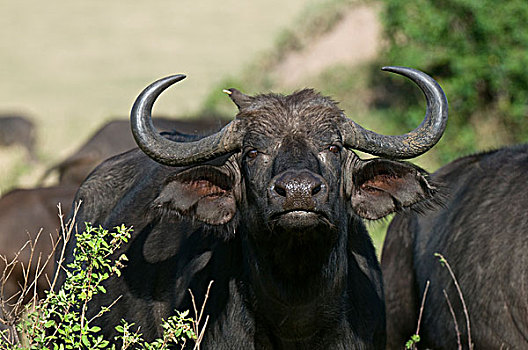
<point x="355" y="39"/>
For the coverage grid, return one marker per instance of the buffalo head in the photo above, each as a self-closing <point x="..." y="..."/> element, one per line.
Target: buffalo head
<point x="292" y="162"/>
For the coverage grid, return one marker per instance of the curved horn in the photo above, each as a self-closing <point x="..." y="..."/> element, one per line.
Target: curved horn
<point x="414" y="143"/>
<point x="173" y="153"/>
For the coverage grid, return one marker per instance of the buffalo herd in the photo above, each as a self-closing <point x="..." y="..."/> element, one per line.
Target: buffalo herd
<point x="265" y="215"/>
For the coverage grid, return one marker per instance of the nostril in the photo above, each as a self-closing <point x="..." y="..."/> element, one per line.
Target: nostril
<point x="316" y="190"/>
<point x="280" y="191"/>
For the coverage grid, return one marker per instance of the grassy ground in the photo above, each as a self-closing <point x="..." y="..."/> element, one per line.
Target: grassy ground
<point x="72" y="65"/>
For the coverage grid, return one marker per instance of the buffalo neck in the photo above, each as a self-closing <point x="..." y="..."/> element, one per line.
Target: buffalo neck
<point x="291" y="284"/>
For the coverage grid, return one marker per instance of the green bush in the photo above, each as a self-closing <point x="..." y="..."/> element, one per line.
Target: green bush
<point x="60" y="320"/>
<point x="478" y="51"/>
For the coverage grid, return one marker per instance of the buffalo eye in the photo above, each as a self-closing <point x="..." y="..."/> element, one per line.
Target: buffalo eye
<point x="334" y="149"/>
<point x="252" y="154"/>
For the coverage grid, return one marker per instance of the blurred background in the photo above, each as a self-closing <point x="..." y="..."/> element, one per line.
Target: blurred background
<point x="70" y="67"/>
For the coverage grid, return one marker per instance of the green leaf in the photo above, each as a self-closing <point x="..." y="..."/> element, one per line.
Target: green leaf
<point x="85" y="341"/>
<point x="49" y="324"/>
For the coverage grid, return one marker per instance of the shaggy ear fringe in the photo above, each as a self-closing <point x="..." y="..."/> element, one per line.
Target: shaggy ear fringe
<point x="438" y="195"/>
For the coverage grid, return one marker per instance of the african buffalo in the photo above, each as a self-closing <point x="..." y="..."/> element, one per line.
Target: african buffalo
<point x="269" y="208"/>
<point x="115" y="137"/>
<point x="482" y="231"/>
<point x="17" y="130"/>
<point x="23" y="213"/>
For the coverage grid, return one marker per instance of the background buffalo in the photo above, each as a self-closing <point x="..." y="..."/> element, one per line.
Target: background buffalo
<point x="481" y="229"/>
<point x="17" y="130"/>
<point x="115" y="137"/>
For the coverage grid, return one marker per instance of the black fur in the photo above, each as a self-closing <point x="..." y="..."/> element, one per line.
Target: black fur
<point x="295" y="270"/>
<point x="482" y="232"/>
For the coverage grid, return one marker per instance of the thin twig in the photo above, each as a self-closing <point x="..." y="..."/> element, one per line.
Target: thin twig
<point x="196" y="324"/>
<point x="422" y="307"/>
<point x="103" y="310"/>
<point x="201" y="335"/>
<point x="454" y="319"/>
<point x="205" y="301"/>
<point x="461" y="297"/>
<point x="66" y="231"/>
<point x="10" y="317"/>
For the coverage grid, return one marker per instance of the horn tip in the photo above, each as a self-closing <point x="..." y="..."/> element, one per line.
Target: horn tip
<point x="394" y="68"/>
<point x="179" y="77"/>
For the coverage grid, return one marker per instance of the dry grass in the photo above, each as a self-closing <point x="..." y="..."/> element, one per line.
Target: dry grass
<point x="14" y="308"/>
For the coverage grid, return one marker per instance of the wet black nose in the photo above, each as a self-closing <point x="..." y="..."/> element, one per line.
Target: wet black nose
<point x="298" y="190"/>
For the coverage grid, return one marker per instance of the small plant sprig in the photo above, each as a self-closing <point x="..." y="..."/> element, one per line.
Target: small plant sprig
<point x="176" y="330"/>
<point x="415" y="338"/>
<point x="411" y="343"/>
<point x="61" y="318"/>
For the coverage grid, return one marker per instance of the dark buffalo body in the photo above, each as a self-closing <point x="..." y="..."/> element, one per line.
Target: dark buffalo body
<point x="17" y="130"/>
<point x="270" y="208"/>
<point x="482" y="231"/>
<point x="114" y="138"/>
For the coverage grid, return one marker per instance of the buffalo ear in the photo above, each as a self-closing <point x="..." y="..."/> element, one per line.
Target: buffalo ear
<point x="380" y="187"/>
<point x="202" y="193"/>
<point x="240" y="99"/>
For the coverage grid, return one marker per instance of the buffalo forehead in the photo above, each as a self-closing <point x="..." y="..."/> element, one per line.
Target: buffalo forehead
<point x="278" y="121"/>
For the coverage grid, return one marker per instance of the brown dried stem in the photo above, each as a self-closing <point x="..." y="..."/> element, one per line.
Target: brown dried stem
<point x="196" y="324"/>
<point x="457" y="331"/>
<point x="444" y="261"/>
<point x="13" y="308"/>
